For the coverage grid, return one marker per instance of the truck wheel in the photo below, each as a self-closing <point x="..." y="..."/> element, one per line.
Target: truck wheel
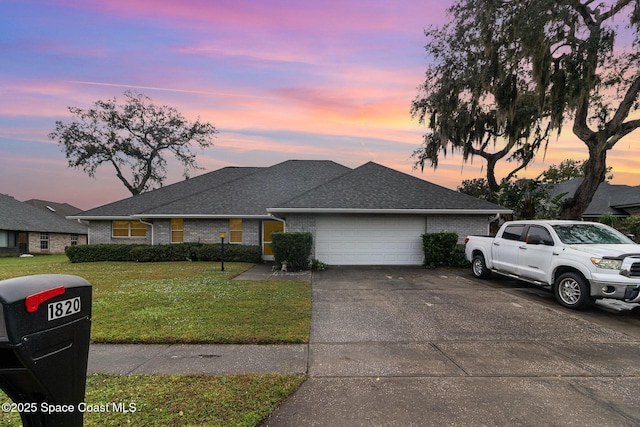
<point x="572" y="291"/>
<point x="479" y="267"/>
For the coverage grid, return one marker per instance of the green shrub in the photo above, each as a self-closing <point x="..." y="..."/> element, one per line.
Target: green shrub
<point x="159" y="253"/>
<point x="457" y="257"/>
<point x="173" y="252"/>
<point x="608" y="219"/>
<point x="631" y="225"/>
<point x="316" y="264"/>
<point x="295" y="248"/>
<point x="243" y="253"/>
<point x="439" y="248"/>
<point x="96" y="253"/>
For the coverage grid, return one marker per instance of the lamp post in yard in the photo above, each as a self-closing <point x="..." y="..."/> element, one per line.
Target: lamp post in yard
<point x="222" y="236"/>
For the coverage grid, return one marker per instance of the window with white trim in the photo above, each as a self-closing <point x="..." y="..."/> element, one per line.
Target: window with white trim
<point x="44" y="241"/>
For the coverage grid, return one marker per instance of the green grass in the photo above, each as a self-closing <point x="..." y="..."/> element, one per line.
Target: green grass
<point x="179" y="400"/>
<point x="181" y="302"/>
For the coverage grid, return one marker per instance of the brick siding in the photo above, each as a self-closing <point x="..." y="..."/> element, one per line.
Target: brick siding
<point x="463" y="225"/>
<point x="57" y="243"/>
<point x="100" y="233"/>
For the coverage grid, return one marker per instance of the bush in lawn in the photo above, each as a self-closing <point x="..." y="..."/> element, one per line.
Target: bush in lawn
<point x="295" y="248"/>
<point x="95" y="253"/>
<point x="439" y="248"/>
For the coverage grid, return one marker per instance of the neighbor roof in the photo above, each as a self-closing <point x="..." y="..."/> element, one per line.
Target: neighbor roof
<point x="608" y="199"/>
<point x="375" y="188"/>
<point x="60" y="209"/>
<point x="19" y="216"/>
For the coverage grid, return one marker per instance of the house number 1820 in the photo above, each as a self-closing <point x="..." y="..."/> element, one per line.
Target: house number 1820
<point x="63" y="308"/>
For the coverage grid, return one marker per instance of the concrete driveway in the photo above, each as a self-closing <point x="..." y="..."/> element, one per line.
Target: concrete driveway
<point x="415" y="347"/>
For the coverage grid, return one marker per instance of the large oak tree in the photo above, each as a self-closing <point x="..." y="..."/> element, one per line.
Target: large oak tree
<point x="506" y="74"/>
<point x="134" y="137"/>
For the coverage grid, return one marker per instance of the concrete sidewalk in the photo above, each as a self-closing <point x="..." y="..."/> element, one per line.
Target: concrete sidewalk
<point x="197" y="359"/>
<point x="265" y="272"/>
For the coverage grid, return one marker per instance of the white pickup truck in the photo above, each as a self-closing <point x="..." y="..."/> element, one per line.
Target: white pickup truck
<point x="580" y="261"/>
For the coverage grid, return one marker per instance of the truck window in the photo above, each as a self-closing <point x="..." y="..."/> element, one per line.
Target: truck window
<point x="513" y="232"/>
<point x="575" y="234"/>
<point x="539" y="236"/>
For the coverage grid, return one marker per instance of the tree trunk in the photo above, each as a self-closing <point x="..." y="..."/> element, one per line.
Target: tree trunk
<point x="494" y="187"/>
<point x="595" y="173"/>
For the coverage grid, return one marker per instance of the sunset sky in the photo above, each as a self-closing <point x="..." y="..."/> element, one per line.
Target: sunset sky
<point x="280" y="80"/>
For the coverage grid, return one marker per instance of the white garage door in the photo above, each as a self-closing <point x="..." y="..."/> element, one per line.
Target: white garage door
<point x="369" y="240"/>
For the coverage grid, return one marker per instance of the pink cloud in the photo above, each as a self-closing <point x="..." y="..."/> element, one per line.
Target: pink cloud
<point x="326" y="16"/>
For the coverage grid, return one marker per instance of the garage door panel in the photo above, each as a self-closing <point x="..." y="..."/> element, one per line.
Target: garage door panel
<point x="367" y="240"/>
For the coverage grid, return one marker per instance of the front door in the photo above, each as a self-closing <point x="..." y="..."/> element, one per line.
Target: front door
<point x="23" y="243"/>
<point x="269" y="227"/>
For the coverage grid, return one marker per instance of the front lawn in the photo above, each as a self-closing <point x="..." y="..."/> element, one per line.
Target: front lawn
<point x="181" y="302"/>
<point x="178" y="400"/>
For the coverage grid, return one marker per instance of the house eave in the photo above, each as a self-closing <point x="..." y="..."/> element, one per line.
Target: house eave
<point x="200" y="216"/>
<point x="165" y="216"/>
<point x="101" y="218"/>
<point x="392" y="211"/>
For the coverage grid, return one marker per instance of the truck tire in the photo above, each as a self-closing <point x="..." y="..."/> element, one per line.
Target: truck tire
<point x="572" y="291"/>
<point x="479" y="267"/>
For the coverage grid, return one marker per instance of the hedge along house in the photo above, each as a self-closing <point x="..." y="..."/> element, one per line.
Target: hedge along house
<point x="368" y="215"/>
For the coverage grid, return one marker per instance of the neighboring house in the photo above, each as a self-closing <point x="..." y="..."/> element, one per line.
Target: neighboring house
<point x="27" y="229"/>
<point x="63" y="210"/>
<point x="368" y="215"/>
<point x="619" y="200"/>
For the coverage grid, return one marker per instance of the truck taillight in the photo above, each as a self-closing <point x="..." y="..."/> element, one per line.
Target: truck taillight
<point x="466" y="240"/>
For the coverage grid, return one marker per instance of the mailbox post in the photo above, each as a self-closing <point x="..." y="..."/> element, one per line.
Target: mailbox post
<point x="45" y="325"/>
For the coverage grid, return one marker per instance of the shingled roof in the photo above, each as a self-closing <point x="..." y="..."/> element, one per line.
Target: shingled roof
<point x="18" y="216"/>
<point x="608" y="198"/>
<point x="226" y="192"/>
<point x="376" y="188"/>
<point x="144" y="202"/>
<point x="294" y="186"/>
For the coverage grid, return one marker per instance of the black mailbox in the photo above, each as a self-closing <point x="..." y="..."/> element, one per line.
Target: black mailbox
<point x="45" y="325"/>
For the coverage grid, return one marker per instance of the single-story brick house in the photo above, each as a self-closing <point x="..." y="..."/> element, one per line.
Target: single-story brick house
<point x="28" y="229"/>
<point x="368" y="215"/>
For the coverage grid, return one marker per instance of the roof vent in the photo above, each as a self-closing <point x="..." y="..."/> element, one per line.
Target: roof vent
<point x="50" y="208"/>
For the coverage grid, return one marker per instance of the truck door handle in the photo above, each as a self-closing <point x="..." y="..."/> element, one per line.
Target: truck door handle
<point x="523" y="247"/>
<point x="496" y="243"/>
